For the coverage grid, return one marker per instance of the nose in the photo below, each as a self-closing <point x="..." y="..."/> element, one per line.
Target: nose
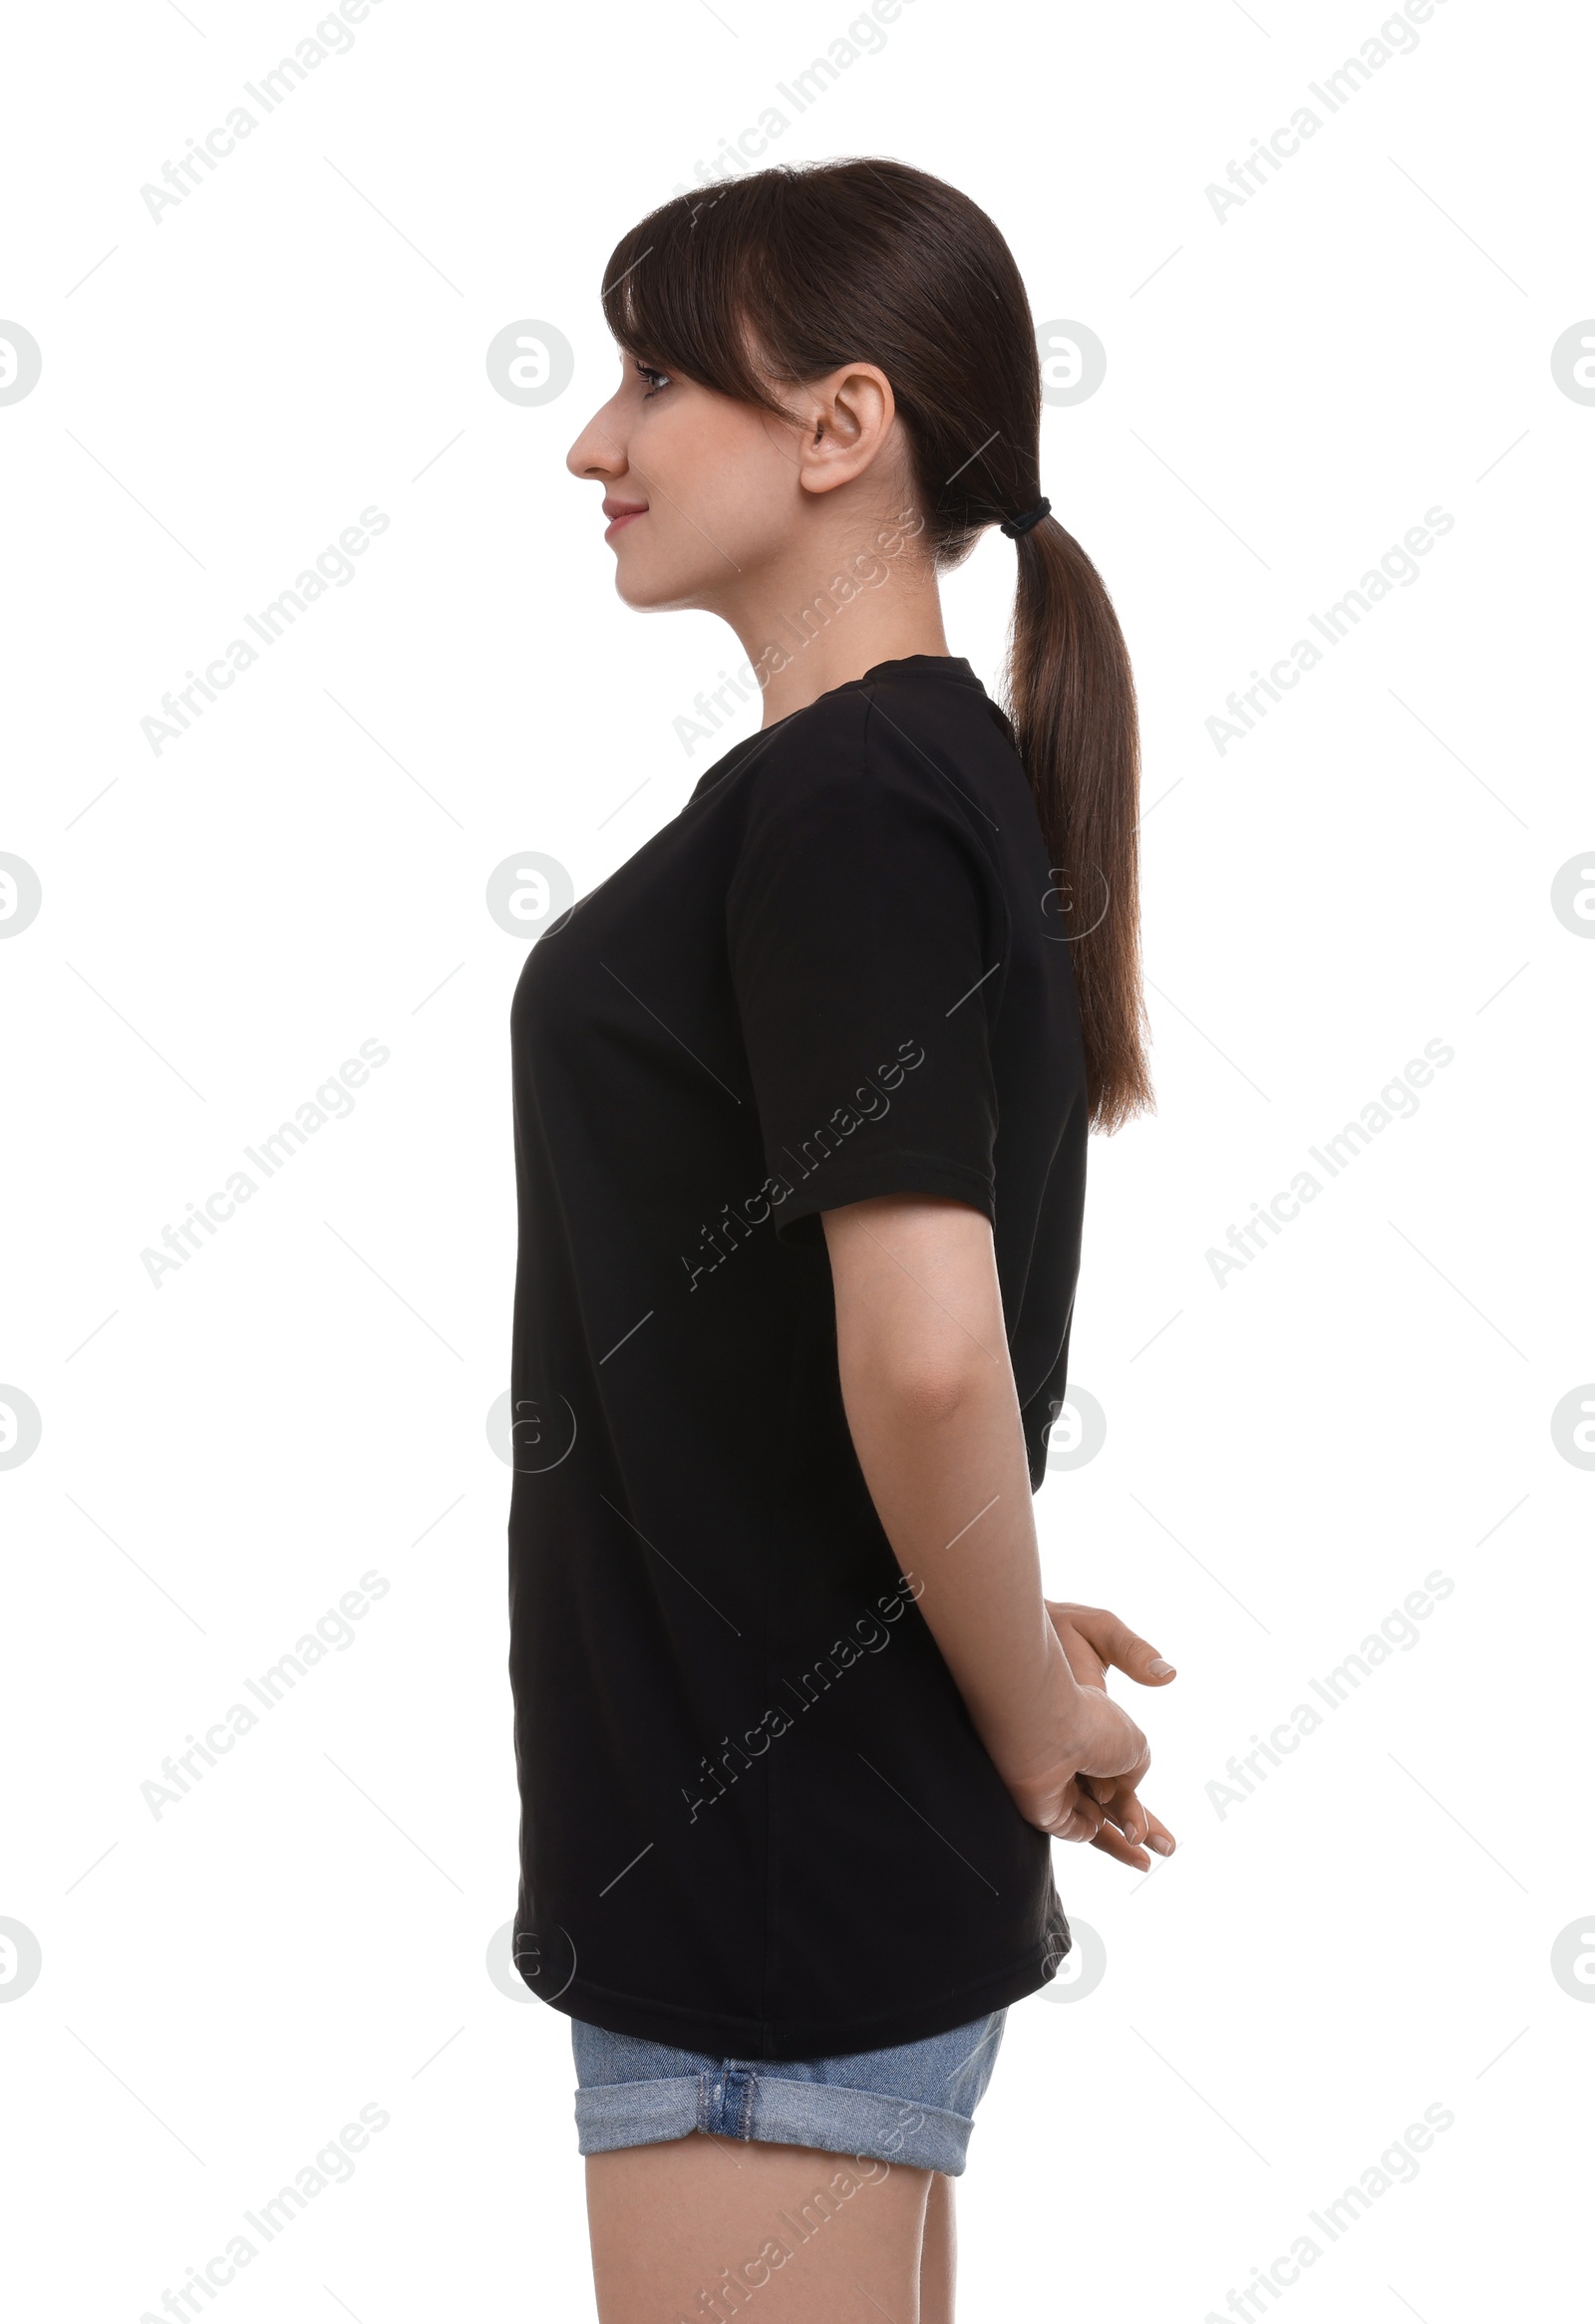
<point x="599" y="451"/>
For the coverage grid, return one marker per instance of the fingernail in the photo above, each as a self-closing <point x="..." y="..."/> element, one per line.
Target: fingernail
<point x="1161" y="1669"/>
<point x="1164" y="1847"/>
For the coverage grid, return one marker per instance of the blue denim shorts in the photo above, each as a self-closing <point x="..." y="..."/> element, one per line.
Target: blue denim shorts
<point x="914" y="2104"/>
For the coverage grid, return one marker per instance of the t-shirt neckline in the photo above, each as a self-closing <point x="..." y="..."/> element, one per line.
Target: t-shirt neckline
<point x="949" y="669"/>
<point x="953" y="666"/>
<point x="954" y="669"/>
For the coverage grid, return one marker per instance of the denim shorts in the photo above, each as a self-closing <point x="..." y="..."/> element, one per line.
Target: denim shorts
<point x="914" y="2104"/>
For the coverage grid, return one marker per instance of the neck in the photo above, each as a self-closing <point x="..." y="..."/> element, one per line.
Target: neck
<point x="807" y="635"/>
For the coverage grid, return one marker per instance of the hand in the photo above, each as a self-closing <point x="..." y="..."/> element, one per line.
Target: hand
<point x="1080" y="1736"/>
<point x="1094" y="1640"/>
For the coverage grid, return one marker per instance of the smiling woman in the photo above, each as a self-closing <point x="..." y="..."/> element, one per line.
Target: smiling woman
<point x="851" y="975"/>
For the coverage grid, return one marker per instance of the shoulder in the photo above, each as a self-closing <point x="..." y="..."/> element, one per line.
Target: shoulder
<point x="889" y="750"/>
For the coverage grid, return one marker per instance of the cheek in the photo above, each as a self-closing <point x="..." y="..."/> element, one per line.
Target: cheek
<point x="713" y="467"/>
<point x="719" y="494"/>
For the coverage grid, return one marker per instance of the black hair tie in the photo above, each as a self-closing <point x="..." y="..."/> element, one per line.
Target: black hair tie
<point x="1015" y="525"/>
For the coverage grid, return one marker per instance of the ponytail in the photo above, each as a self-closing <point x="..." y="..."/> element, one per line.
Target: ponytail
<point x="1072" y="700"/>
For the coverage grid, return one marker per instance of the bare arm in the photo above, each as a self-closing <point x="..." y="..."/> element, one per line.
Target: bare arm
<point x="930" y="1401"/>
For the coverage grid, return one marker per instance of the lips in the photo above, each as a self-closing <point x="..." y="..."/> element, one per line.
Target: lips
<point x="621" y="513"/>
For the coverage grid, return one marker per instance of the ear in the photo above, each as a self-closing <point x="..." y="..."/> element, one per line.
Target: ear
<point x="847" y="417"/>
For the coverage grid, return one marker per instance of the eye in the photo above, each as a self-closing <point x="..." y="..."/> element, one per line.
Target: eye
<point x="652" y="379"/>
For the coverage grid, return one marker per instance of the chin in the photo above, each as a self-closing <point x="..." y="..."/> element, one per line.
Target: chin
<point x="633" y="590"/>
<point x="648" y="591"/>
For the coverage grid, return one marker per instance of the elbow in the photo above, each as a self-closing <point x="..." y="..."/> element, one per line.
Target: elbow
<point x="922" y="1392"/>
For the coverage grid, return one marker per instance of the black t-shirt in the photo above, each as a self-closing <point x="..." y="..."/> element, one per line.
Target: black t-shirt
<point x="755" y="1817"/>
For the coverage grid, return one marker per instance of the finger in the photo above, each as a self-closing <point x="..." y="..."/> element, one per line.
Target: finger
<point x="1122" y="1648"/>
<point x="1158" y="1836"/>
<point x="1067" y="1811"/>
<point x="1082" y="1821"/>
<point x="1083" y="1661"/>
<point x="1122" y="1850"/>
<point x="1137" y="1822"/>
<point x="1134" y="1820"/>
<point x="1127" y="1811"/>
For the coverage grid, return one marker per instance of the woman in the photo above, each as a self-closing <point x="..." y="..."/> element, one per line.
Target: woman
<point x="801" y="1097"/>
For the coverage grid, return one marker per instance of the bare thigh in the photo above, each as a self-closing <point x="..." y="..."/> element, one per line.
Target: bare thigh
<point x="938" y="2253"/>
<point x="782" y="2235"/>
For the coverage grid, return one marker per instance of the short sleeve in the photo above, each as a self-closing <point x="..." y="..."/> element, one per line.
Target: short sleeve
<point x="867" y="945"/>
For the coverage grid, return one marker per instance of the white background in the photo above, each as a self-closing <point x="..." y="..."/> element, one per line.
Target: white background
<point x="1288" y="391"/>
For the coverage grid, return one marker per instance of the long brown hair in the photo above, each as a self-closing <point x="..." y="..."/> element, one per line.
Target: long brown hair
<point x="789" y="273"/>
